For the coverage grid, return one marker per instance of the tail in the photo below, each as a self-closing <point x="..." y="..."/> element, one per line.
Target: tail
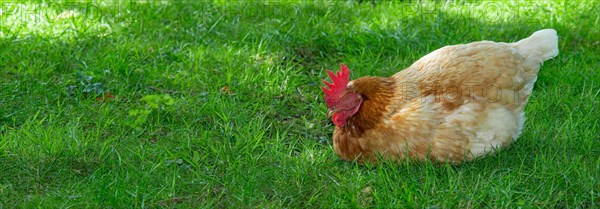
<point x="537" y="48"/>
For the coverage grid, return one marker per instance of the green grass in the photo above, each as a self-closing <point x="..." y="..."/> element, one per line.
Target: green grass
<point x="245" y="122"/>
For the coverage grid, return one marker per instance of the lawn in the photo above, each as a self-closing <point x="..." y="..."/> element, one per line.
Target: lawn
<point x="182" y="104"/>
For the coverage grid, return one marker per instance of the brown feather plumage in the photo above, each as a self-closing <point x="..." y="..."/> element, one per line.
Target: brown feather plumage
<point x="454" y="104"/>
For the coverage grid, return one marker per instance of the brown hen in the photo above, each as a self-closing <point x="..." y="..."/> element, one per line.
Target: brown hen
<point x="454" y="104"/>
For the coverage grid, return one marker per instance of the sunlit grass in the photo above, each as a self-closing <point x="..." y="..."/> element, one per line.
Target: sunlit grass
<point x="246" y="124"/>
<point x="58" y="20"/>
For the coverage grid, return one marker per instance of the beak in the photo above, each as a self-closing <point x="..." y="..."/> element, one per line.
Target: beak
<point x="330" y="112"/>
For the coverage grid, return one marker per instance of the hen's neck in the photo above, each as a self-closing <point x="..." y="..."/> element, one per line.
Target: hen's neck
<point x="377" y="93"/>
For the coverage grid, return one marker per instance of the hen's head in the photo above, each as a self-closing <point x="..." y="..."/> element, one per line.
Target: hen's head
<point x="341" y="103"/>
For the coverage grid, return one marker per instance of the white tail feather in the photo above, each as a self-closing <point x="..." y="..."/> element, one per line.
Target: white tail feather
<point x="539" y="47"/>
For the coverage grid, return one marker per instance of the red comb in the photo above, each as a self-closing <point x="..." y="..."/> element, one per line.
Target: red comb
<point x="339" y="81"/>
